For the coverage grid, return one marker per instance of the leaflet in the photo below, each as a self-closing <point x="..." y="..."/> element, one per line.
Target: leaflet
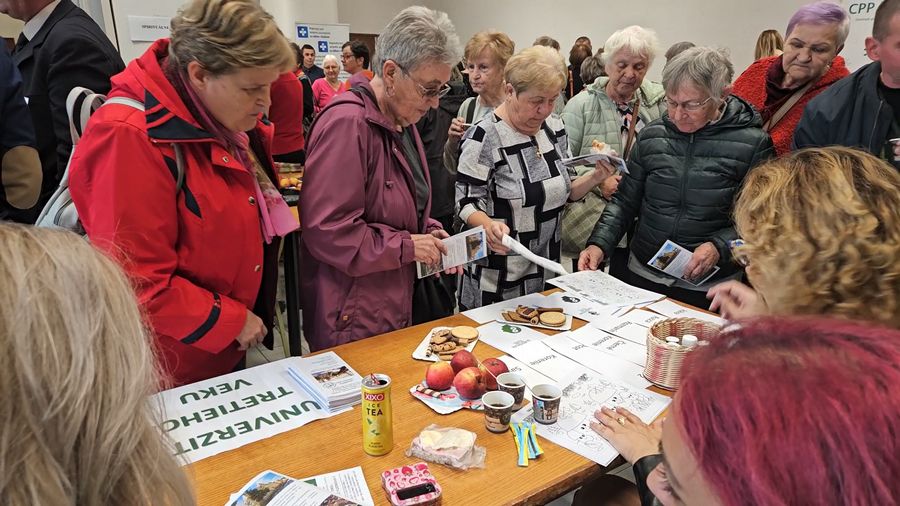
<point x="538" y="260"/>
<point x="275" y="489"/>
<point x="672" y="259"/>
<point x="348" y="483"/>
<point x="593" y="158"/>
<point x="462" y="248"/>
<point x="600" y="287"/>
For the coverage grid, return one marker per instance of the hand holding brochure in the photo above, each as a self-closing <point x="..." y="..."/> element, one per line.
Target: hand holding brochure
<point x="672" y="259"/>
<point x="462" y="248"/>
<point x="593" y="158"/>
<point x="520" y="249"/>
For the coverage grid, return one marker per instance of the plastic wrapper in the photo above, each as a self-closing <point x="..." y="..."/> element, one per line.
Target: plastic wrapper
<point x="448" y="446"/>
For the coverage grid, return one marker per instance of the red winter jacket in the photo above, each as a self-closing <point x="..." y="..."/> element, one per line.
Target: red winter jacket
<point x="195" y="256"/>
<point x="751" y="86"/>
<point x="286" y="114"/>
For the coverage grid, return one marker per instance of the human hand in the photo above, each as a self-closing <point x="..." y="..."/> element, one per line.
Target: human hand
<point x="736" y="301"/>
<point x="610" y="186"/>
<point x="705" y="257"/>
<point x="590" y="258"/>
<point x="627" y="433"/>
<point x="457" y="130"/>
<point x="495" y="230"/>
<point x="253" y="332"/>
<point x="428" y="248"/>
<point x="603" y="170"/>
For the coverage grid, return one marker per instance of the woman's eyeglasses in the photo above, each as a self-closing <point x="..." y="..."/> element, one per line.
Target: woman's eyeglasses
<point x="687" y="106"/>
<point x="426" y="93"/>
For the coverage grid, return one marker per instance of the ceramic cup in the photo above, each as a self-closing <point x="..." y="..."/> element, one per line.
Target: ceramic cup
<point x="513" y="384"/>
<point x="498" y="408"/>
<point x="545" y="399"/>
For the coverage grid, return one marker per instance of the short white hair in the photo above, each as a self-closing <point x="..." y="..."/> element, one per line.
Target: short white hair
<point x="636" y="39"/>
<point x="706" y="68"/>
<point x="417" y="36"/>
<point x="332" y="58"/>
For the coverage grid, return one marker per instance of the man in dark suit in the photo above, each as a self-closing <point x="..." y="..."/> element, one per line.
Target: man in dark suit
<point x="60" y="48"/>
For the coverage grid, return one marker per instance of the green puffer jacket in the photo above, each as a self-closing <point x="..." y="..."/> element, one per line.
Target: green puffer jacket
<point x="591" y="115"/>
<point x="682" y="187"/>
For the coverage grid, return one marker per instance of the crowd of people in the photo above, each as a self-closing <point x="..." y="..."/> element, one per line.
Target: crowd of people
<point x="782" y="182"/>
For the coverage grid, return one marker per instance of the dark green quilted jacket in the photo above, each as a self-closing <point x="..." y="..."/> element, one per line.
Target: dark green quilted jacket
<point x="682" y="187"/>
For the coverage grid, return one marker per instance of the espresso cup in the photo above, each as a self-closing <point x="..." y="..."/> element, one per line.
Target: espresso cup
<point x="513" y="384"/>
<point x="498" y="408"/>
<point x="545" y="400"/>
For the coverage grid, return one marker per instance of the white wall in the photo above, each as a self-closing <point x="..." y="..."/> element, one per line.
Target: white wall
<point x="367" y="16"/>
<point x="288" y="12"/>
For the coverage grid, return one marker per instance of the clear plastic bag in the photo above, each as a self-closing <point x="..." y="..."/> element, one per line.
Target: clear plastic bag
<point x="448" y="446"/>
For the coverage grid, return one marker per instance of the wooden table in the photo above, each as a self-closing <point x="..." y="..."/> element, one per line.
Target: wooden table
<point x="336" y="443"/>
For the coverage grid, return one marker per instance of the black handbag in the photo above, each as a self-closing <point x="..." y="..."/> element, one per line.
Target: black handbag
<point x="432" y="300"/>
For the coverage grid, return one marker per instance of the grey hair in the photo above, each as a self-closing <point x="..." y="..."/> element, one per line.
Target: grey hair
<point x="416" y="36"/>
<point x="330" y="57"/>
<point x="636" y="39"/>
<point x="707" y="68"/>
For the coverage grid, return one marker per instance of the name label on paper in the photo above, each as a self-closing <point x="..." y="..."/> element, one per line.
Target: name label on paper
<point x="148" y="28"/>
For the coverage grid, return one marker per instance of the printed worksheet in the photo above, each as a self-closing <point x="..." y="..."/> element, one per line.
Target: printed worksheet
<point x="674" y="310"/>
<point x="609" y="365"/>
<point x="624" y="328"/>
<point x="580" y="399"/>
<point x="462" y="248"/>
<point x="600" y="287"/>
<point x="611" y="344"/>
<point x="532" y="378"/>
<point x="673" y="258"/>
<point x="507" y="337"/>
<point x="540" y="357"/>
<point x="643" y="317"/>
<point x="576" y="306"/>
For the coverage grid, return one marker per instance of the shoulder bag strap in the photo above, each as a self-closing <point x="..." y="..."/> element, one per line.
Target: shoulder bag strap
<point x="785" y="107"/>
<point x="634" y="119"/>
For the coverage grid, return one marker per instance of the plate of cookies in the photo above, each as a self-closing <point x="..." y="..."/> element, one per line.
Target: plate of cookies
<point x="552" y="318"/>
<point x="442" y="342"/>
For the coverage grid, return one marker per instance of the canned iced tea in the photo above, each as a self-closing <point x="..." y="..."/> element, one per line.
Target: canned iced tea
<point x="377" y="419"/>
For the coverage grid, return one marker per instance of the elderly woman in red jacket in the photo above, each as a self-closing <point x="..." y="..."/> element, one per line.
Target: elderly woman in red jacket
<point x="203" y="253"/>
<point x="779" y="87"/>
<point x="366" y="194"/>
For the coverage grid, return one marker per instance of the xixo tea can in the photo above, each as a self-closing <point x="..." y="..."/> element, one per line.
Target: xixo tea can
<point x="377" y="419"/>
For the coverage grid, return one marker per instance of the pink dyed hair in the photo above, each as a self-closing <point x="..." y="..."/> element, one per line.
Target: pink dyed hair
<point x="796" y="411"/>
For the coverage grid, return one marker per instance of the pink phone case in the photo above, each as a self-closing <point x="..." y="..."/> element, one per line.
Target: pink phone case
<point x="404" y="477"/>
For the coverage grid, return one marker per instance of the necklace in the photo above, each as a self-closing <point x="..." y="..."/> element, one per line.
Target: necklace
<point x="537" y="148"/>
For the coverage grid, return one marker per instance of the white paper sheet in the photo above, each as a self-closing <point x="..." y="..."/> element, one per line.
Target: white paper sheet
<point x="672" y="310"/>
<point x="485" y="314"/>
<point x="611" y="344"/>
<point x="347" y="483"/>
<point x="532" y="378"/>
<point x="519" y="248"/>
<point x="643" y="317"/>
<point x="623" y="328"/>
<point x="540" y="357"/>
<point x="580" y="399"/>
<point x="507" y="337"/>
<point x="611" y="366"/>
<point x="673" y="258"/>
<point x="223" y="413"/>
<point x="604" y="289"/>
<point x="576" y="306"/>
<point x="275" y="489"/>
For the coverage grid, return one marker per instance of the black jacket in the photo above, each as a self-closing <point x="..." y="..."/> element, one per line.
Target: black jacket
<point x="69" y="50"/>
<point x="682" y="186"/>
<point x="20" y="167"/>
<point x="433" y="129"/>
<point x="849" y="113"/>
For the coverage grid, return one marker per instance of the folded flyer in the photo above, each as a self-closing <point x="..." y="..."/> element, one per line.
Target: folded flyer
<point x="275" y="489"/>
<point x="672" y="259"/>
<point x="329" y="379"/>
<point x="593" y="158"/>
<point x="462" y="248"/>
<point x="520" y="249"/>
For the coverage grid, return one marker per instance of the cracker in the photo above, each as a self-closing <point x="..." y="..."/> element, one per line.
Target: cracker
<point x="553" y="319"/>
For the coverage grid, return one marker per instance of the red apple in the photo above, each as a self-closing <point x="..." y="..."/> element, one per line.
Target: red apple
<point x="462" y="359"/>
<point x="439" y="375"/>
<point x="493" y="367"/>
<point x="469" y="383"/>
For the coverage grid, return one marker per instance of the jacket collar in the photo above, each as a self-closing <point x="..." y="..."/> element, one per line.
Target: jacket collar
<point x="61" y="11"/>
<point x="649" y="94"/>
<point x="738" y="113"/>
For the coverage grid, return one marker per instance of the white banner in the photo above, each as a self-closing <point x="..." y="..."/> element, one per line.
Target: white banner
<point x="223" y="413"/>
<point x="862" y="15"/>
<point x="327" y="39"/>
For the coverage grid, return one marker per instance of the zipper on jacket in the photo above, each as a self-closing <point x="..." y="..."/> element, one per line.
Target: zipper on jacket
<point x="684" y="176"/>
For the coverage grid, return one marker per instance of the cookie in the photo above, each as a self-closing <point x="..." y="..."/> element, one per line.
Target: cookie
<point x="549" y="310"/>
<point x="440" y="337"/>
<point x="514" y="317"/>
<point x="553" y="319"/>
<point x="464" y="332"/>
<point x="527" y="312"/>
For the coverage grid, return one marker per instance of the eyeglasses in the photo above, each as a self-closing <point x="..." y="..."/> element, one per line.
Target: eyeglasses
<point x="426" y="93"/>
<point x="739" y="256"/>
<point x="687" y="106"/>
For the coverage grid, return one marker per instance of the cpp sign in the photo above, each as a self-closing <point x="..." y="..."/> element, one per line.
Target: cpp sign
<point x="861" y="7"/>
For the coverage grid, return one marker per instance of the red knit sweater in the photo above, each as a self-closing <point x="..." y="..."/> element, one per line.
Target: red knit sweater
<point x="751" y="86"/>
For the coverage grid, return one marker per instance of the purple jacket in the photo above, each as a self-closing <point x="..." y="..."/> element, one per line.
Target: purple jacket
<point x="358" y="209"/>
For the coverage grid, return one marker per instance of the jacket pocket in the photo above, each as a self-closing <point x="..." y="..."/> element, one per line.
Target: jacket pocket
<point x="347" y="315"/>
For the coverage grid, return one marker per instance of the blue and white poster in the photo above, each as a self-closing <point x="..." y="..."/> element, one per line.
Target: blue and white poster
<point x="326" y="38"/>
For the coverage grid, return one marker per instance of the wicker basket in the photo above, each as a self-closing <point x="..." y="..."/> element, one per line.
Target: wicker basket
<point x="664" y="359"/>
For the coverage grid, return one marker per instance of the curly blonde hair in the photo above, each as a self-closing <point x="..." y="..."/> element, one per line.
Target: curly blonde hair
<point x="822" y="234"/>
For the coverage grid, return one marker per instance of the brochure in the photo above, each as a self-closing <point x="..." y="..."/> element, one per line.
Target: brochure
<point x="672" y="259"/>
<point x="462" y="248"/>
<point x="275" y="489"/>
<point x="520" y="248"/>
<point x="348" y="483"/>
<point x="329" y="379"/>
<point x="593" y="158"/>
